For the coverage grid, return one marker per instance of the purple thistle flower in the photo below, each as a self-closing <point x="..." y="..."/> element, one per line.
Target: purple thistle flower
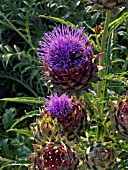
<point x="64" y="48"/>
<point x="59" y="106"/>
<point x="68" y="58"/>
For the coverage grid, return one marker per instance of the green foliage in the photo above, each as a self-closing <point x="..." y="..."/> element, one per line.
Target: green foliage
<point x="22" y="89"/>
<point x="24" y="100"/>
<point x="8" y="118"/>
<point x="14" y="142"/>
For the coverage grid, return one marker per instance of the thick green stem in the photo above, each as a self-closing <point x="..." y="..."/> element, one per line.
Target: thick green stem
<point x="101" y="61"/>
<point x="97" y="41"/>
<point x="104" y="37"/>
<point x="91" y="105"/>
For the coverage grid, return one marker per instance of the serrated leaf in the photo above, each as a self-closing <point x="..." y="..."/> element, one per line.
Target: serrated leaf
<point x="124" y="34"/>
<point x="14" y="163"/>
<point x="22" y="131"/>
<point x="5" y="149"/>
<point x="25" y="100"/>
<point x="19" y="81"/>
<point x="59" y="20"/>
<point x="30" y="115"/>
<point x="114" y="24"/>
<point x="33" y="74"/>
<point x="8" y="118"/>
<point x="94" y="18"/>
<point x="4" y="160"/>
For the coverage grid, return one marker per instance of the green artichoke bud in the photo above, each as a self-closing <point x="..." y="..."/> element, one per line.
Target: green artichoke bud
<point x="52" y="151"/>
<point x="100" y="157"/>
<point x="53" y="156"/>
<point x="109" y="3"/>
<point x="119" y="116"/>
<point x="46" y="128"/>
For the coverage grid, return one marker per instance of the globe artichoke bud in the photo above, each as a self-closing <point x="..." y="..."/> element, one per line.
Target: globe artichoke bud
<point x="70" y="114"/>
<point x="108" y="3"/>
<point x="53" y="156"/>
<point x="68" y="58"/>
<point x="119" y="116"/>
<point x="52" y="151"/>
<point x="45" y="129"/>
<point x="100" y="157"/>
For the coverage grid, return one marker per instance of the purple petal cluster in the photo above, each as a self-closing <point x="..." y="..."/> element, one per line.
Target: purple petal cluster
<point x="64" y="48"/>
<point x="59" y="106"/>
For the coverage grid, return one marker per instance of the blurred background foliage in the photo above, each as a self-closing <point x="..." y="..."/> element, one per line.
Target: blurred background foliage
<point x="21" y="27"/>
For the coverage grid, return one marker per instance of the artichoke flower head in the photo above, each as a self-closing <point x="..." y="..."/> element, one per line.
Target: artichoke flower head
<point x="68" y="58"/>
<point x="70" y="114"/>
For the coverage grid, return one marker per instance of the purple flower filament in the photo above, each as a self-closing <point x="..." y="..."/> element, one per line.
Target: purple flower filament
<point x="64" y="48"/>
<point x="59" y="106"/>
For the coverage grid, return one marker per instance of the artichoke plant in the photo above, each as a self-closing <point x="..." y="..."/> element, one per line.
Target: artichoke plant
<point x="109" y="3"/>
<point x="70" y="114"/>
<point x="51" y="151"/>
<point x="68" y="58"/>
<point x="119" y="116"/>
<point x="99" y="157"/>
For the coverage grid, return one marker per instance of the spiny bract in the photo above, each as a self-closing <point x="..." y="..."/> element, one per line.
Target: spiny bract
<point x="53" y="156"/>
<point x="99" y="157"/>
